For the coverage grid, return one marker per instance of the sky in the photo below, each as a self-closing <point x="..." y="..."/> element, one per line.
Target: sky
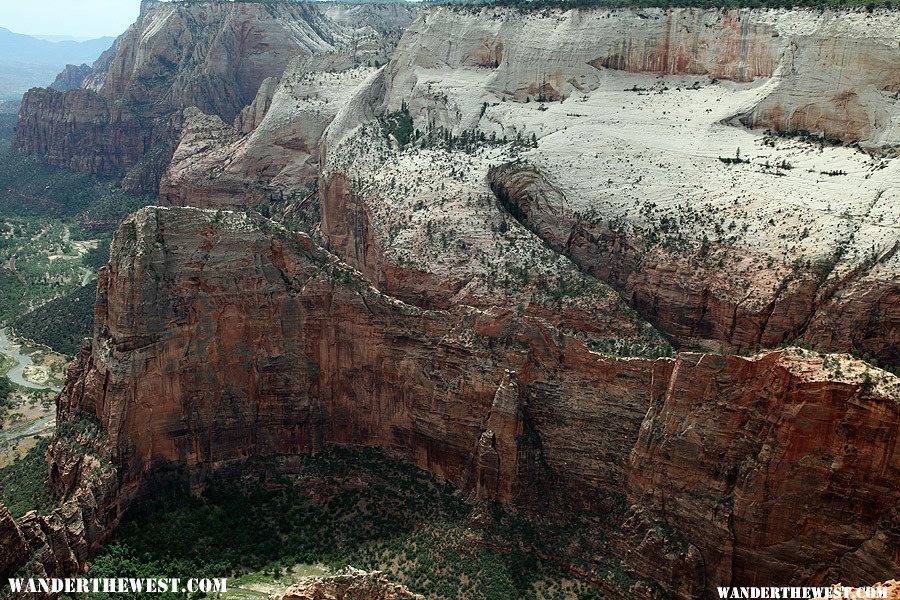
<point x="80" y="19"/>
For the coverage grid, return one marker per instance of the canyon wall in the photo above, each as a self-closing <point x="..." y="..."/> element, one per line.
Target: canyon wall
<point x="681" y="294"/>
<point x="81" y="130"/>
<point x="286" y="345"/>
<point x="830" y="73"/>
<point x="843" y="87"/>
<point x="554" y="53"/>
<point x="483" y="198"/>
<point x="125" y="119"/>
<point x="220" y="336"/>
<point x="578" y="49"/>
<point x="269" y="158"/>
<point x="757" y="463"/>
<point x="471" y="71"/>
<point x="643" y="194"/>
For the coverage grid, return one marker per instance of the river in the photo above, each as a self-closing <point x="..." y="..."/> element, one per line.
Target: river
<point x="16" y="375"/>
<point x="23" y="430"/>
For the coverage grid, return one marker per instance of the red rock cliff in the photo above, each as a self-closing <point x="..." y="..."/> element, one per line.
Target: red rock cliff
<point x="219" y="336"/>
<point x="690" y="299"/>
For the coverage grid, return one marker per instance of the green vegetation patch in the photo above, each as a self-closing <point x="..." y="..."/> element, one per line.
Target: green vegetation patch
<point x="400" y="125"/>
<point x="12" y="292"/>
<point x="351" y="507"/>
<point x="23" y="486"/>
<point x="39" y="261"/>
<point x="63" y="323"/>
<point x="54" y="236"/>
<point x="6" y="386"/>
<point x="6" y="389"/>
<point x="29" y="187"/>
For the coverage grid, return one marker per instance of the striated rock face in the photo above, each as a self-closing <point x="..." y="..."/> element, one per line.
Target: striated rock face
<point x="270" y="156"/>
<point x="483" y="197"/>
<point x="220" y="336"/>
<point x="839" y="86"/>
<point x="863" y="312"/>
<point x="82" y="130"/>
<point x="630" y="176"/>
<point x="350" y="584"/>
<point x="71" y="78"/>
<point x="553" y="54"/>
<point x="210" y="55"/>
<point x="848" y="309"/>
<point x="13" y="552"/>
<point x="215" y="55"/>
<point x="830" y="73"/>
<point x="764" y="464"/>
<point x="304" y="354"/>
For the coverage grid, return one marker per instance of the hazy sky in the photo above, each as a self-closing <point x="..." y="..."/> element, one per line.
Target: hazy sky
<point x="81" y="18"/>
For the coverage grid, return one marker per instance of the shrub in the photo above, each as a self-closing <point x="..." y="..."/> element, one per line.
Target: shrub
<point x="62" y="323"/>
<point x="23" y="484"/>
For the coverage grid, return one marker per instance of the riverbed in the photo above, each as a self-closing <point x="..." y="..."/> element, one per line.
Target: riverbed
<point x="37" y="421"/>
<point x="17" y="373"/>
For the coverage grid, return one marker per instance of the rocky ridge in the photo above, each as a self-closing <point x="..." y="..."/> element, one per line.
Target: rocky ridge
<point x="349" y="584"/>
<point x="125" y="118"/>
<point x="491" y="207"/>
<point x="660" y="238"/>
<point x="71" y="78"/>
<point x="269" y="157"/>
<point x="559" y="134"/>
<point x="726" y="454"/>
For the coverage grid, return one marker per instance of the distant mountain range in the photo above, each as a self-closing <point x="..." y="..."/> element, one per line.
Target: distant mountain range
<point x="27" y="61"/>
<point x="62" y="38"/>
<point x="17" y="47"/>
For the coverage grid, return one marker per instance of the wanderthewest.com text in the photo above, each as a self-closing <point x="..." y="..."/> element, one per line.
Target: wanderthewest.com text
<point x="121" y="585"/>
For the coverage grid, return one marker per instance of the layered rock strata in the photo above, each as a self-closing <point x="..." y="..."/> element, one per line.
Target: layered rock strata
<point x="658" y="217"/>
<point x="633" y="176"/>
<point x="829" y="73"/>
<point x="833" y="302"/>
<point x="739" y="45"/>
<point x="209" y="55"/>
<point x="743" y="469"/>
<point x="269" y="157"/>
<point x="220" y="336"/>
<point x="465" y="190"/>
